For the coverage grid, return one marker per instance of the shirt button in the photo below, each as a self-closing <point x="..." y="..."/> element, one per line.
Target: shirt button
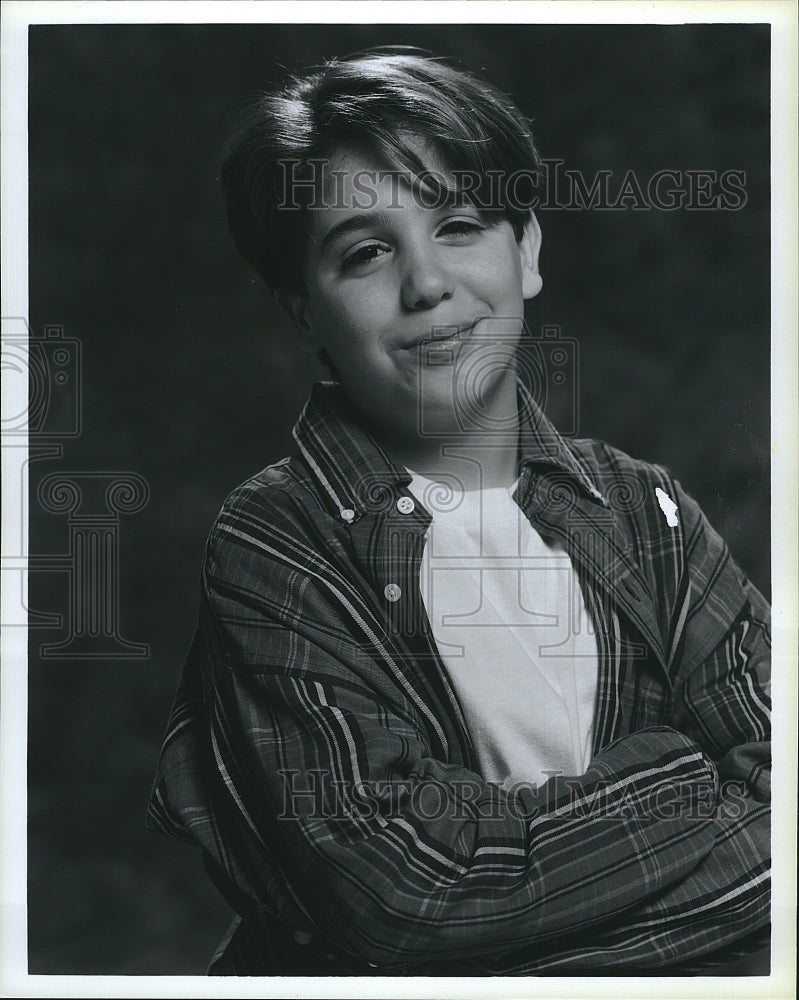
<point x="405" y="505"/>
<point x="347" y="514"/>
<point x="392" y="592"/>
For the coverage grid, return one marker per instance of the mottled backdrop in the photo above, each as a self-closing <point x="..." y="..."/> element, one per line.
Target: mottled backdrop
<point x="191" y="380"/>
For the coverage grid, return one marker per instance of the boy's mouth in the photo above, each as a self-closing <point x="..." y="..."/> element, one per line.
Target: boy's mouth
<point x="443" y="336"/>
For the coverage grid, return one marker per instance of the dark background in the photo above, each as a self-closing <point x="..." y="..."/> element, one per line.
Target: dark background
<point x="191" y="380"/>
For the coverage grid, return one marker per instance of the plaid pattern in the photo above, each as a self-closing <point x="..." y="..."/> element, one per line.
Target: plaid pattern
<point x="318" y="756"/>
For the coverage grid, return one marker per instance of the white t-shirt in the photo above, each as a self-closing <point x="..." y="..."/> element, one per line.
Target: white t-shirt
<point x="510" y="623"/>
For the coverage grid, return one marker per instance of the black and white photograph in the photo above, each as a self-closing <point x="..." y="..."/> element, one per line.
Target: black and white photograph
<point x="399" y="472"/>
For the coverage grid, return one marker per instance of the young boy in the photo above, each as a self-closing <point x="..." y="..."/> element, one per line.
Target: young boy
<point x="465" y="697"/>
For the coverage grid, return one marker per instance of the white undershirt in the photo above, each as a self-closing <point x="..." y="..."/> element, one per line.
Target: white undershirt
<point x="509" y="620"/>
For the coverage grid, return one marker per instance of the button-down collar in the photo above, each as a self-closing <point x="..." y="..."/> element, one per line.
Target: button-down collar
<point x="361" y="479"/>
<point x="356" y="473"/>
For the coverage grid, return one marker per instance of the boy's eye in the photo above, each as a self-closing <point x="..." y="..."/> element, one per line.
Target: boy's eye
<point x="461" y="227"/>
<point x="364" y="254"/>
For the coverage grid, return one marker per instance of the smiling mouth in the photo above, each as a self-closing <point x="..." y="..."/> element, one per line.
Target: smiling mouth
<point x="444" y="336"/>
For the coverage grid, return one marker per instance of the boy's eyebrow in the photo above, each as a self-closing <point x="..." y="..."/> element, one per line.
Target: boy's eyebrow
<point x="353" y="224"/>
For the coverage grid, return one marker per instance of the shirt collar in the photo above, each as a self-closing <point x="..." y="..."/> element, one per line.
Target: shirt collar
<point x="541" y="444"/>
<point x="356" y="473"/>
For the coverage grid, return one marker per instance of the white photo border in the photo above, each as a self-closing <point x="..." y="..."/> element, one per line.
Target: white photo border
<point x="16" y="18"/>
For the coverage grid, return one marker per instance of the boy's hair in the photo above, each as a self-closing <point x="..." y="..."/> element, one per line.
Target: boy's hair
<point x="383" y="101"/>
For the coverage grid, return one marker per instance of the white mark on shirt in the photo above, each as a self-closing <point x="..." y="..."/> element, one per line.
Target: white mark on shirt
<point x="668" y="506"/>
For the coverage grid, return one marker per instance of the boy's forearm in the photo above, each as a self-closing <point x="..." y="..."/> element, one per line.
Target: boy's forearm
<point x="725" y="899"/>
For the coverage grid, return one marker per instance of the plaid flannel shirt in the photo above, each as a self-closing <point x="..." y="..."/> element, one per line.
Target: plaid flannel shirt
<point x="318" y="756"/>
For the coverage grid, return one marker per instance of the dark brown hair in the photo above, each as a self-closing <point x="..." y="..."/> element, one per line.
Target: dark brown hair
<point x="384" y="101"/>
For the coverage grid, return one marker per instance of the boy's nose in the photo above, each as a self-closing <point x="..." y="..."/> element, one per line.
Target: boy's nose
<point x="426" y="283"/>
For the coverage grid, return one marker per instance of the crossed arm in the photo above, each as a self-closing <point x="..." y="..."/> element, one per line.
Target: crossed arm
<point x="657" y="854"/>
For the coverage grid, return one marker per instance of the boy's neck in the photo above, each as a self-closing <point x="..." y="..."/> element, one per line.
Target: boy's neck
<point x="475" y="448"/>
<point x="469" y="464"/>
<point x="474" y="459"/>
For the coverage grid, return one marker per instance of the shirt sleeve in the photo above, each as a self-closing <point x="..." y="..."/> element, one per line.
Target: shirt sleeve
<point x="721" y="700"/>
<point x="720" y="664"/>
<point x="723" y="686"/>
<point x="717" y="905"/>
<point x="334" y="813"/>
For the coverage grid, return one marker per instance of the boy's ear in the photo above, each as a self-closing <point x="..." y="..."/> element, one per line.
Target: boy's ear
<point x="294" y="307"/>
<point x="530" y="248"/>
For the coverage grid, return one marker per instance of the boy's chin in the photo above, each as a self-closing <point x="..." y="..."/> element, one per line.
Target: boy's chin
<point x="462" y="414"/>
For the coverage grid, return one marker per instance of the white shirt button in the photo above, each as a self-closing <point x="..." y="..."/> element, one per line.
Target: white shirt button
<point x="347" y="514"/>
<point x="405" y="505"/>
<point x="392" y="592"/>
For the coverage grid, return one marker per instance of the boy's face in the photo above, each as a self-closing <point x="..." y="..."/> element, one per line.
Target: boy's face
<point x="385" y="273"/>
